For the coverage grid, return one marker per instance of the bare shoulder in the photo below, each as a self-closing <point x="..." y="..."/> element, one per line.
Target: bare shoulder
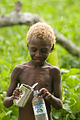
<point x="54" y="71"/>
<point x="53" y="68"/>
<point x="19" y="68"/>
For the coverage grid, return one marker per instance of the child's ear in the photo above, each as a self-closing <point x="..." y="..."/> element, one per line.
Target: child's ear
<point x="52" y="48"/>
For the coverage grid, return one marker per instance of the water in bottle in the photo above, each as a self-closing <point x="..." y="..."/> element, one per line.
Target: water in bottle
<point x="39" y="107"/>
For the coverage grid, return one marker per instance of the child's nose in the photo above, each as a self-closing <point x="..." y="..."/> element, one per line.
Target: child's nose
<point x="38" y="53"/>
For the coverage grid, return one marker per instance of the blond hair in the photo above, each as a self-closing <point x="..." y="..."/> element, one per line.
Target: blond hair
<point x="41" y="30"/>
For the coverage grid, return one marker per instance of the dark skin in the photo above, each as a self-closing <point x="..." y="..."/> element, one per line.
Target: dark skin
<point x="36" y="70"/>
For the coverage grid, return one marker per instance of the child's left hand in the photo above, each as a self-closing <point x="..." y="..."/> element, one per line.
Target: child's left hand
<point x="44" y="93"/>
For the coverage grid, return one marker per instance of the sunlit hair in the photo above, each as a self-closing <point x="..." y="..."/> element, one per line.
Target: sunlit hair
<point x="41" y="31"/>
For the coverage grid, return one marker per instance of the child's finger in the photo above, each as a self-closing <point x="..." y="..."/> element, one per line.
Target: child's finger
<point x="45" y="94"/>
<point x="17" y="92"/>
<point x="43" y="91"/>
<point x="18" y="89"/>
<point x="47" y="97"/>
<point x="16" y="97"/>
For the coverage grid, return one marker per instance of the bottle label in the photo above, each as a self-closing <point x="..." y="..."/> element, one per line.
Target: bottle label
<point x="39" y="109"/>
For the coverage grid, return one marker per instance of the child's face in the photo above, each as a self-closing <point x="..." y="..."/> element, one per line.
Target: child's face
<point x="39" y="50"/>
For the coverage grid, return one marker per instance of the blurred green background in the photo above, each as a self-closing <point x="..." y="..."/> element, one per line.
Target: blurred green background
<point x="62" y="15"/>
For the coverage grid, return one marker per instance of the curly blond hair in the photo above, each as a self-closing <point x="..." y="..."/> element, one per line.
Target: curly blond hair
<point x="41" y="31"/>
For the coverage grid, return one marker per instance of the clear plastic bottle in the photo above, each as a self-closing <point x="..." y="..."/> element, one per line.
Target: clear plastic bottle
<point x="39" y="107"/>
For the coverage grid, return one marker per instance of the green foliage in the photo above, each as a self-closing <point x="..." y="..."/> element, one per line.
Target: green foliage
<point x="71" y="96"/>
<point x="52" y="58"/>
<point x="66" y="60"/>
<point x="61" y="15"/>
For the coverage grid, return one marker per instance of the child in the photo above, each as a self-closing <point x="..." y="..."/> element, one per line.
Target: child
<point x="40" y="42"/>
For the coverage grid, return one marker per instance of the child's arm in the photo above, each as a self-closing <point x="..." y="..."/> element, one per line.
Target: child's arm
<point x="56" y="99"/>
<point x="12" y="92"/>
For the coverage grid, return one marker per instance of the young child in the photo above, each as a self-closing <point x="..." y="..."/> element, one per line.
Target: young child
<point x="40" y="42"/>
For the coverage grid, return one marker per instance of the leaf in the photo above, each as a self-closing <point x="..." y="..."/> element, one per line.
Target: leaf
<point x="2" y="115"/>
<point x="9" y="112"/>
<point x="57" y="114"/>
<point x="72" y="116"/>
<point x="67" y="108"/>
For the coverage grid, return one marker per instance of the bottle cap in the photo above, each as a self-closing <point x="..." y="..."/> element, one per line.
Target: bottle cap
<point x="36" y="92"/>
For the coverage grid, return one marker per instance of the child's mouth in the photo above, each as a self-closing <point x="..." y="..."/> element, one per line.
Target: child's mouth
<point x="37" y="60"/>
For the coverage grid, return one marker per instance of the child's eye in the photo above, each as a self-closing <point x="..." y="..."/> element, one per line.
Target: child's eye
<point x="34" y="49"/>
<point x="43" y="50"/>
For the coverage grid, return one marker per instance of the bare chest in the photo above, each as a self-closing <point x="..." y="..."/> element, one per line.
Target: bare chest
<point x="31" y="76"/>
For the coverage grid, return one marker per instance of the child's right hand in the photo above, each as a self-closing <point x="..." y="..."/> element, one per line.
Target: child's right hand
<point x="17" y="93"/>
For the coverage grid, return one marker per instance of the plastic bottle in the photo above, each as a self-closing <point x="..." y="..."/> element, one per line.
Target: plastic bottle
<point x="39" y="107"/>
